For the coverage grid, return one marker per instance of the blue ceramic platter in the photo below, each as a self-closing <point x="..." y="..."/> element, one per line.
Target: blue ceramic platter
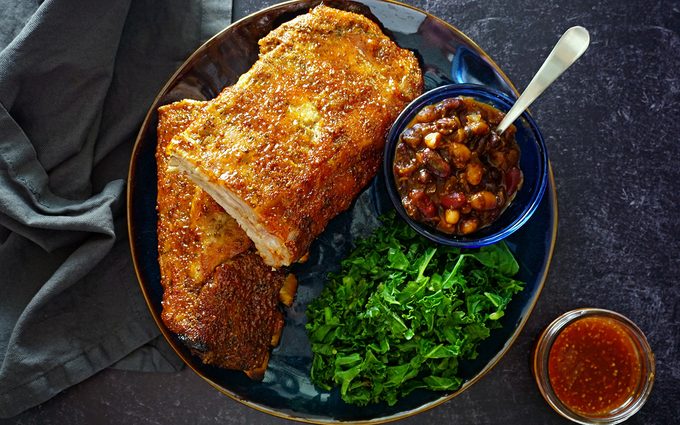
<point x="446" y="56"/>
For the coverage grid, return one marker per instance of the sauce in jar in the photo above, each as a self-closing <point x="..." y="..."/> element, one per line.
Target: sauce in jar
<point x="452" y="171"/>
<point x="594" y="366"/>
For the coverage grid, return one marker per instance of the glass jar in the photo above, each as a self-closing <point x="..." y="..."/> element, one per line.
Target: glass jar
<point x="623" y="328"/>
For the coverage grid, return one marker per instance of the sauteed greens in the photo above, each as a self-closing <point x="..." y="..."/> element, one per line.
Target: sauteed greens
<point x="401" y="313"/>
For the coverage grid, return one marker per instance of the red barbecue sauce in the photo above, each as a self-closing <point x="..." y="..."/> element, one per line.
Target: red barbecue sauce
<point x="594" y="366"/>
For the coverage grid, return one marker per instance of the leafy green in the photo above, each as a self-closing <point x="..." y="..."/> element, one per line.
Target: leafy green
<point x="401" y="313"/>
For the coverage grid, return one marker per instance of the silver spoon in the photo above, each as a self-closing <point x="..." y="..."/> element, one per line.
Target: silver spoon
<point x="568" y="49"/>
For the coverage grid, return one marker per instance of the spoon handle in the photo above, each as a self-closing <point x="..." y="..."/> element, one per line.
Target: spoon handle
<point x="568" y="49"/>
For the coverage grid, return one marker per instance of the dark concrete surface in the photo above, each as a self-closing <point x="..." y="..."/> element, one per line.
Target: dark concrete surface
<point x="612" y="124"/>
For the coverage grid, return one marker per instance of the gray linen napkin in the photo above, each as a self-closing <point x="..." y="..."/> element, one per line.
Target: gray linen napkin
<point x="76" y="78"/>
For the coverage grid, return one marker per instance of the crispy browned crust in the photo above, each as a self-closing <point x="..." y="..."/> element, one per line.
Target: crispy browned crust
<point x="238" y="313"/>
<point x="195" y="235"/>
<point x="302" y="132"/>
<point x="218" y="296"/>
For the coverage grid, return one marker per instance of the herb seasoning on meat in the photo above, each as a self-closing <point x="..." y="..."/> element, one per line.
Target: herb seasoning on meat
<point x="452" y="171"/>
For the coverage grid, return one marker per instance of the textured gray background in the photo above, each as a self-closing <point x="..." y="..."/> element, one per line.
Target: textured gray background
<point x="612" y="124"/>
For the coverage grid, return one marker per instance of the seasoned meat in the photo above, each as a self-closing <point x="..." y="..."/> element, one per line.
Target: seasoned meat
<point x="292" y="143"/>
<point x="194" y="233"/>
<point x="218" y="295"/>
<point x="237" y="309"/>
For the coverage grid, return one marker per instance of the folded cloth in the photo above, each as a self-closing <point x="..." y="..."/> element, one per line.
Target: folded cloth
<point x="76" y="78"/>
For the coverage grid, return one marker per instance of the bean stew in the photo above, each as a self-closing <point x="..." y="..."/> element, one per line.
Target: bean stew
<point x="452" y="171"/>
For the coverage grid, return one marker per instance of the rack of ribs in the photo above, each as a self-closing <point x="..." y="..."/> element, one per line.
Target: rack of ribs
<point x="218" y="295"/>
<point x="294" y="141"/>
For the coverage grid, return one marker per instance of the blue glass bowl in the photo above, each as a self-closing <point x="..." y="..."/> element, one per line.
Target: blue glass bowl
<point x="533" y="163"/>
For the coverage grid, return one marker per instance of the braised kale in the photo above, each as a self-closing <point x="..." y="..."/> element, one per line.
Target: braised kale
<point x="402" y="312"/>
